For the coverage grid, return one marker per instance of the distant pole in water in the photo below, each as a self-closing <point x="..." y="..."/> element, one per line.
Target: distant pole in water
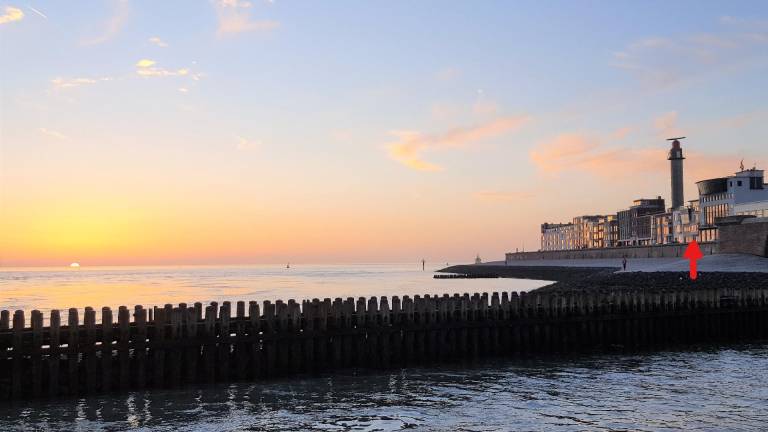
<point x="423" y="263"/>
<point x="288" y="265"/>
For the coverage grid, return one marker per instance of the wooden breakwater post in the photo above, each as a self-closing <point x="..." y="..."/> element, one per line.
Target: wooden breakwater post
<point x="175" y="346"/>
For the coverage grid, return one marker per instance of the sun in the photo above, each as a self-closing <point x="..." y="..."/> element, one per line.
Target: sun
<point x="75" y="265"/>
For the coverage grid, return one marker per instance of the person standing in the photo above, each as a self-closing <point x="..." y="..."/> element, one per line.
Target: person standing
<point x="624" y="263"/>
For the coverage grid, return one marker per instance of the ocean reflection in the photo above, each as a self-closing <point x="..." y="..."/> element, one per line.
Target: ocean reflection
<point x="705" y="389"/>
<point x="46" y="289"/>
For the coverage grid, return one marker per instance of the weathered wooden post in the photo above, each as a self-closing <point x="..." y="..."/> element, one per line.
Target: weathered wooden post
<point x="464" y="319"/>
<point x="453" y="319"/>
<point x="209" y="343"/>
<point x="37" y="353"/>
<point x="384" y="336"/>
<point x="495" y="318"/>
<point x="420" y="324"/>
<point x="305" y="349"/>
<point x="441" y="323"/>
<point x="140" y="345"/>
<point x="73" y="352"/>
<point x="54" y="356"/>
<point x="106" y="349"/>
<point x="156" y="348"/>
<point x="350" y="341"/>
<point x="283" y="342"/>
<point x="89" y="351"/>
<point x="225" y="313"/>
<point x="18" y="355"/>
<point x="254" y="338"/>
<point x="269" y="345"/>
<point x="407" y="324"/>
<point x="175" y="353"/>
<point x="360" y="333"/>
<point x="396" y="332"/>
<point x="371" y="328"/>
<point x="322" y="340"/>
<point x="191" y="349"/>
<point x="123" y="347"/>
<point x="241" y="348"/>
<point x="525" y="326"/>
<point x="336" y="325"/>
<point x="485" y="333"/>
<point x="295" y="335"/>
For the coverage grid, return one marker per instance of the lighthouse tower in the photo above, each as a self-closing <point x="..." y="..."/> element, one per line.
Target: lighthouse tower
<point x="676" y="172"/>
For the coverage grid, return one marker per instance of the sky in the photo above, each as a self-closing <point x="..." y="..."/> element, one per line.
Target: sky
<point x="255" y="131"/>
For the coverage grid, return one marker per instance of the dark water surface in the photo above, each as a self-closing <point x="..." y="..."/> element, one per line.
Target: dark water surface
<point x="708" y="389"/>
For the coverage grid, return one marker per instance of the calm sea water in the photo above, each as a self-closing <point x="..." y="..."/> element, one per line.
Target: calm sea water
<point x="712" y="389"/>
<point x="61" y="288"/>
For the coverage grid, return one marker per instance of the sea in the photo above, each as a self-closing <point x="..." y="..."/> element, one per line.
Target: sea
<point x="705" y="388"/>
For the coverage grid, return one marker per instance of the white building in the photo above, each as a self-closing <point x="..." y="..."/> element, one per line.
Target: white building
<point x="750" y="194"/>
<point x="743" y="193"/>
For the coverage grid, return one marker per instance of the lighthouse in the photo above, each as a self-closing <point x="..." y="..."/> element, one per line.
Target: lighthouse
<point x="676" y="172"/>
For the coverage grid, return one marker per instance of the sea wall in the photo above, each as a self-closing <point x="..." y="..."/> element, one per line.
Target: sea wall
<point x="178" y="346"/>
<point x="545" y="273"/>
<point x="659" y="251"/>
<point x="748" y="237"/>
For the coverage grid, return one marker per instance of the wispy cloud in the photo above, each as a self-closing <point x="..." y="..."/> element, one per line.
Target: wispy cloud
<point x="502" y="196"/>
<point x="448" y="74"/>
<point x="234" y="3"/>
<point x="54" y="134"/>
<point x="147" y="68"/>
<point x="591" y="155"/>
<point x="235" y="17"/>
<point x="112" y="25"/>
<point x="145" y="63"/>
<point x="665" y="61"/>
<point x="244" y="144"/>
<point x="666" y="125"/>
<point x="11" y="14"/>
<point x="410" y="145"/>
<point x="661" y="62"/>
<point x="37" y="12"/>
<point x="587" y="153"/>
<point x="158" y="42"/>
<point x="64" y="83"/>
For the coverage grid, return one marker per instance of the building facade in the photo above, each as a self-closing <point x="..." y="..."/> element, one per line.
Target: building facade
<point x="558" y="236"/>
<point x="743" y="193"/>
<point x="635" y="223"/>
<point x="648" y="222"/>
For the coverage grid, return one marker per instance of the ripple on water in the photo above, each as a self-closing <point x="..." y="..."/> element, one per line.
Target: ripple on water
<point x="708" y="389"/>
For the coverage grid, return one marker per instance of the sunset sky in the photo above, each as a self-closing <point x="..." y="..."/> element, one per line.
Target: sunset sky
<point x="233" y="131"/>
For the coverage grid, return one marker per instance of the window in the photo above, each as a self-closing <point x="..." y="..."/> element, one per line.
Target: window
<point x="730" y="183"/>
<point x="738" y="183"/>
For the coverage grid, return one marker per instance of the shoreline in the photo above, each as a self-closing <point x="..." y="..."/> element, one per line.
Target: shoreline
<point x="725" y="271"/>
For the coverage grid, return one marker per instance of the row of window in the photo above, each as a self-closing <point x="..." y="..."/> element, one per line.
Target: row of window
<point x="758" y="213"/>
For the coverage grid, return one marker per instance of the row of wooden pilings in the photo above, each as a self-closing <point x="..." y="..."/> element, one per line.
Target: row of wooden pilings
<point x="182" y="345"/>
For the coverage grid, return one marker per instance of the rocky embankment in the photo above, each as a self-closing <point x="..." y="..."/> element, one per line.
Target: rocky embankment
<point x="606" y="279"/>
<point x="654" y="281"/>
<point x="555" y="274"/>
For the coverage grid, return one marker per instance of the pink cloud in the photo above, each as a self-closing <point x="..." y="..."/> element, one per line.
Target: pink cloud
<point x="410" y="145"/>
<point x="587" y="154"/>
